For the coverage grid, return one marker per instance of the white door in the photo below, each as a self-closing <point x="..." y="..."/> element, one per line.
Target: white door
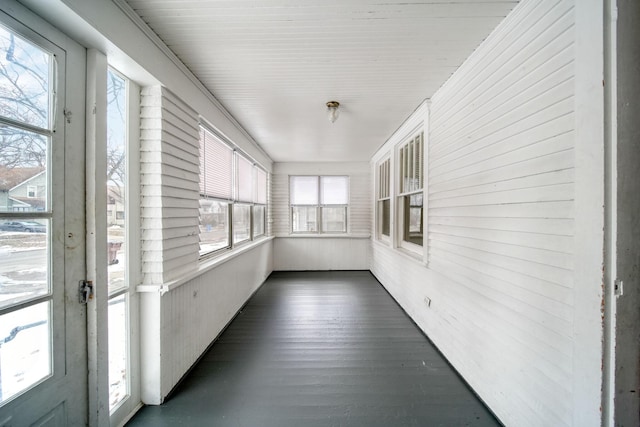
<point x="43" y="335"/>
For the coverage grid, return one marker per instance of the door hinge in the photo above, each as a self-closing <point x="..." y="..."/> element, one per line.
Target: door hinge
<point x="85" y="291"/>
<point x="618" y="287"/>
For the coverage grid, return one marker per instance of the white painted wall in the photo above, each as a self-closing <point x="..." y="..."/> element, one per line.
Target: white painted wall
<point x="515" y="195"/>
<point x="322" y="252"/>
<point x="180" y="321"/>
<point x="626" y="250"/>
<point x="170" y="189"/>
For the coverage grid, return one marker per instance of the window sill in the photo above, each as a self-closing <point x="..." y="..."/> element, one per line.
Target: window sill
<point x="405" y="253"/>
<point x="205" y="265"/>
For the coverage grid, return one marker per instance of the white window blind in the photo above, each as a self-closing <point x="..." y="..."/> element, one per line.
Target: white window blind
<point x="304" y="190"/>
<point x="261" y="186"/>
<point x="334" y="190"/>
<point x="216" y="165"/>
<point x="245" y="179"/>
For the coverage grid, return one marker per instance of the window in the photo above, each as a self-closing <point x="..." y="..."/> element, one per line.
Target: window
<point x="216" y="187"/>
<point x="260" y="206"/>
<point x="319" y="204"/>
<point x="31" y="191"/>
<point x="384" y="200"/>
<point x="410" y="195"/>
<point x="233" y="196"/>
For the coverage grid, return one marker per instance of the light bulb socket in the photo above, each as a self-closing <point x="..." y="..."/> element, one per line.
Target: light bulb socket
<point x="332" y="108"/>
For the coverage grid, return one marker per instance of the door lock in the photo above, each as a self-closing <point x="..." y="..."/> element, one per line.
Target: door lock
<point x="85" y="291"/>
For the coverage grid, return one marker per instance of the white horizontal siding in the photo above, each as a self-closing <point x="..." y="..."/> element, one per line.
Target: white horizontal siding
<point x="501" y="158"/>
<point x="169" y="186"/>
<point x="502" y="219"/>
<point x="280" y="204"/>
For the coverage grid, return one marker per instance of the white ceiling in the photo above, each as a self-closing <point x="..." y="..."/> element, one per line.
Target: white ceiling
<point x="275" y="63"/>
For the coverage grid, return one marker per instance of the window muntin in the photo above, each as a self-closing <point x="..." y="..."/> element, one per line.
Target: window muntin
<point x="319" y="204"/>
<point x="410" y="197"/>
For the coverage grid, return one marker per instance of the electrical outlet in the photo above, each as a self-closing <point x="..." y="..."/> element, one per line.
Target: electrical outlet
<point x="427" y="301"/>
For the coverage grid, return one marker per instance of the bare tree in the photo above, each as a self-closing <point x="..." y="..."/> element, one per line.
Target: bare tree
<point x="24" y="97"/>
<point x="25" y="92"/>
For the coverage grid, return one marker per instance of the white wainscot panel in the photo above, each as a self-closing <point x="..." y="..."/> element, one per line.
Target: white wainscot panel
<point x="321" y="253"/>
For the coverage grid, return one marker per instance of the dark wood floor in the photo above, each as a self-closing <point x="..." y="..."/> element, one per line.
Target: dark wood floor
<point x="320" y="349"/>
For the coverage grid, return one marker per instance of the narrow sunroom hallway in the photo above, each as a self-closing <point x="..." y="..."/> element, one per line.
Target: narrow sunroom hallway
<point x="320" y="349"/>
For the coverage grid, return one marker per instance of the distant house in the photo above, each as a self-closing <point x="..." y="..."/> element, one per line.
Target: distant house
<point x="23" y="189"/>
<point x="115" y="206"/>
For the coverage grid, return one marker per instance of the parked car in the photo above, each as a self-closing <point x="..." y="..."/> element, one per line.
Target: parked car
<point x="25" y="226"/>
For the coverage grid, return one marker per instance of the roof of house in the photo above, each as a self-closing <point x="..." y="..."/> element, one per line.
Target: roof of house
<point x="10" y="177"/>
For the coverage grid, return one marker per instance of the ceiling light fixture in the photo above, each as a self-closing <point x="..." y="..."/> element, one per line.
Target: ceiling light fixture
<point x="332" y="109"/>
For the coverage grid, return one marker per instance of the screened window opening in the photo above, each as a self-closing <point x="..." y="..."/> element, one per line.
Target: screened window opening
<point x="410" y="201"/>
<point x="319" y="204"/>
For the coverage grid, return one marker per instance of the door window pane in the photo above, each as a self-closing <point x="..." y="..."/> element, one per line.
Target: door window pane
<point x="25" y="349"/>
<point x="24" y="80"/>
<point x="241" y="222"/>
<point x="24" y="265"/>
<point x="23" y="170"/>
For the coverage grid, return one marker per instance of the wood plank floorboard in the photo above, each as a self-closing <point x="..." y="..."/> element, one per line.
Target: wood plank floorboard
<point x="320" y="349"/>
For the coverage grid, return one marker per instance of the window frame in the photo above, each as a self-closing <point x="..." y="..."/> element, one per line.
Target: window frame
<point x="410" y="156"/>
<point x="383" y="194"/>
<point x="235" y="198"/>
<point x="319" y="207"/>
